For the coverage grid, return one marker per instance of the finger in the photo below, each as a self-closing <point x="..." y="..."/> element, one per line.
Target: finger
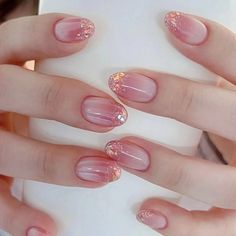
<point x="206" y="42"/>
<point x="44" y="36"/>
<point x="19" y="219"/>
<point x="63" y="165"/>
<point x="202" y="106"/>
<point x="197" y="178"/>
<point x="171" y="220"/>
<point x="69" y="101"/>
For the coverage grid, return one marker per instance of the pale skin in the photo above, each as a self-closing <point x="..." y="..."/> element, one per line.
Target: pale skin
<point x="190" y="103"/>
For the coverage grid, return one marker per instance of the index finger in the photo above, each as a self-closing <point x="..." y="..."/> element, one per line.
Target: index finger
<point x="44" y="36"/>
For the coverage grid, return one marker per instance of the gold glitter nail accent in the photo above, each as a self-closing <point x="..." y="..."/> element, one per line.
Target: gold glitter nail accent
<point x="87" y="29"/>
<point x="114" y="173"/>
<point x="172" y="20"/>
<point x="116" y="81"/>
<point x="113" y="149"/>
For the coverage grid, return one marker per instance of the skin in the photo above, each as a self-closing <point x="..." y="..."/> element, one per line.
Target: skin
<point x="207" y="107"/>
<point x="38" y="95"/>
<point x="16" y="217"/>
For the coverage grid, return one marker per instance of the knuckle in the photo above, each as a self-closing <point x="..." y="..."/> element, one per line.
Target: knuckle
<point x="53" y="98"/>
<point x="183" y="102"/>
<point x="46" y="166"/>
<point x="179" y="179"/>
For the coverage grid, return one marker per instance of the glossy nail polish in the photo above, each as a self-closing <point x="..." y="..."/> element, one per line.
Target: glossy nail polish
<point x="153" y="219"/>
<point x="74" y="29"/>
<point x="186" y="28"/>
<point x="128" y="154"/>
<point x="103" y="111"/>
<point x="97" y="169"/>
<point x="133" y="86"/>
<point x="35" y="231"/>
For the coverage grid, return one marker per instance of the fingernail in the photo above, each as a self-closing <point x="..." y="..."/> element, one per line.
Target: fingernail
<point x="133" y="86"/>
<point x="74" y="29"/>
<point x="186" y="28"/>
<point x="128" y="154"/>
<point x="35" y="231"/>
<point x="153" y="219"/>
<point x="97" y="169"/>
<point x="103" y="112"/>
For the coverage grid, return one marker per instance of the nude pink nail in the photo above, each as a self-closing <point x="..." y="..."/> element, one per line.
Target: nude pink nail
<point x="35" y="231"/>
<point x="153" y="219"/>
<point x="186" y="28"/>
<point x="97" y="169"/>
<point x="128" y="154"/>
<point x="133" y="86"/>
<point x="104" y="112"/>
<point x="74" y="29"/>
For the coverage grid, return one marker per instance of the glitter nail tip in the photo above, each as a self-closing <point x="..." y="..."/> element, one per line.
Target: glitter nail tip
<point x="153" y="219"/>
<point x="187" y="28"/>
<point x="98" y="170"/>
<point x="133" y="86"/>
<point x="104" y="112"/>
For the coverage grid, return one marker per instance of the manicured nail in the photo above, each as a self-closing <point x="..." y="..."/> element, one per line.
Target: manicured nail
<point x="74" y="29"/>
<point x="35" y="231"/>
<point x="97" y="169"/>
<point x="128" y="154"/>
<point x="104" y="112"/>
<point x="133" y="86"/>
<point x="186" y="28"/>
<point x="153" y="219"/>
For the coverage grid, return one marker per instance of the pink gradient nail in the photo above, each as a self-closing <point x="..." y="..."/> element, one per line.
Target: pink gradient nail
<point x="128" y="154"/>
<point x="186" y="28"/>
<point x="133" y="86"/>
<point x="104" y="112"/>
<point x="97" y="169"/>
<point x="153" y="219"/>
<point x="35" y="231"/>
<point x="74" y="29"/>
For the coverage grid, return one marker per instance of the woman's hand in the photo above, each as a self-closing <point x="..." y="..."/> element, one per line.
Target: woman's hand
<point x="51" y="97"/>
<point x="207" y="107"/>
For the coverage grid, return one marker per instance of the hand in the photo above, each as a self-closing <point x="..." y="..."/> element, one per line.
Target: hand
<point x="208" y="107"/>
<point x="51" y="97"/>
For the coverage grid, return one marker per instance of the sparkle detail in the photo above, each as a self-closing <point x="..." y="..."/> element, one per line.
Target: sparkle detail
<point x="120" y="115"/>
<point x="116" y="81"/>
<point x="87" y="29"/>
<point x="113" y="149"/>
<point x="172" y="20"/>
<point x="114" y="173"/>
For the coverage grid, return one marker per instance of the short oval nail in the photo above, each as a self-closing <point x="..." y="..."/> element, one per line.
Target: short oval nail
<point x="186" y="28"/>
<point x="128" y="154"/>
<point x="133" y="86"/>
<point x="104" y="112"/>
<point x="35" y="231"/>
<point x="97" y="169"/>
<point x="73" y="29"/>
<point x="152" y="218"/>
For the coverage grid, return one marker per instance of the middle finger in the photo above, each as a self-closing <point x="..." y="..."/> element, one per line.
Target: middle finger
<point x="206" y="107"/>
<point x="56" y="98"/>
<point x="194" y="177"/>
